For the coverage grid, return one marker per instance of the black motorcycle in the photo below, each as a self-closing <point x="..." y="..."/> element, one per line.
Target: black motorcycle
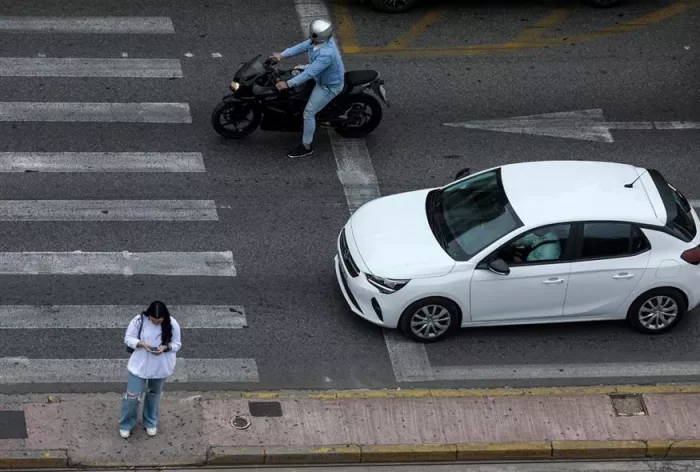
<point x="255" y="101"/>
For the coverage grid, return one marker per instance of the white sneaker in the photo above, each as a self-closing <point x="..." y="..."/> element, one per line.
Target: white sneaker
<point x="151" y="431"/>
<point x="124" y="433"/>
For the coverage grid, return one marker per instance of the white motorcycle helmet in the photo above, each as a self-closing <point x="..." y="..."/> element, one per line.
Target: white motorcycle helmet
<point x="320" y="31"/>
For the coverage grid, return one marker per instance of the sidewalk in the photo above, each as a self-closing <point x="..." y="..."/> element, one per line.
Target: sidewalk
<point x="357" y="426"/>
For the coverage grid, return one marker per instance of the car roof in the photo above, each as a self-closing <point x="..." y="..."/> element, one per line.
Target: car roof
<point x="546" y="192"/>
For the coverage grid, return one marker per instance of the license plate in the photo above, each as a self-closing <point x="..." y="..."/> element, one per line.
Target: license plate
<point x="382" y="91"/>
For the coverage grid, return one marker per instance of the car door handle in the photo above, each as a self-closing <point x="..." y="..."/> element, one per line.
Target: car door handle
<point x="552" y="281"/>
<point x="624" y="275"/>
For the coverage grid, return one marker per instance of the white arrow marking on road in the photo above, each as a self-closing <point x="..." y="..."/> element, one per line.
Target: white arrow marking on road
<point x="587" y="125"/>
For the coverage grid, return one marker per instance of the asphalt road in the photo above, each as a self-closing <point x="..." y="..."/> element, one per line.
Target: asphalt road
<point x="280" y="217"/>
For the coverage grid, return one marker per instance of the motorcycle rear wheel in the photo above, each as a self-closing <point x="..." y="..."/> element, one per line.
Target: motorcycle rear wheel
<point x="234" y="113"/>
<point x="359" y="103"/>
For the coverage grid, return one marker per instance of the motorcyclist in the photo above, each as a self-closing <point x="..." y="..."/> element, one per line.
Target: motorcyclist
<point x="325" y="67"/>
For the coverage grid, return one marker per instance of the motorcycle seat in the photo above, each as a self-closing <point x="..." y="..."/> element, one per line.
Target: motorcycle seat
<point x="360" y="77"/>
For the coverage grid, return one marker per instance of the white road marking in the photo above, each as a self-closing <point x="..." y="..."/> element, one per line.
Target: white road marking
<point x="89" y="67"/>
<point x="408" y="359"/>
<point x="116" y="316"/>
<point x="41" y="54"/>
<point x="125" y="54"/>
<point x="21" y="370"/>
<point x="125" y="263"/>
<point x="98" y="24"/>
<point x="108" y="210"/>
<point x="216" y="54"/>
<point x="189" y="54"/>
<point x="101" y="162"/>
<point x="587" y="125"/>
<point x="356" y="172"/>
<point x="96" y="112"/>
<point x="567" y="371"/>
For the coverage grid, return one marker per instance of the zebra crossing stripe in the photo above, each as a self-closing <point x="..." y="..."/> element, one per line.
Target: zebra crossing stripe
<point x="96" y="112"/>
<point x="117" y="316"/>
<point x="108" y="210"/>
<point x="88" y="24"/>
<point x="212" y="264"/>
<point x="22" y="370"/>
<point x="101" y="162"/>
<point x="75" y="67"/>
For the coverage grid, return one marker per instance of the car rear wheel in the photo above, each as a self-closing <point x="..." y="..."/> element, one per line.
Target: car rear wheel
<point x="430" y="320"/>
<point x="657" y="311"/>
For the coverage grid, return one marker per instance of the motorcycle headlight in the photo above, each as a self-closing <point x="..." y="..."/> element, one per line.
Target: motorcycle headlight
<point x="386" y="285"/>
<point x="234" y="86"/>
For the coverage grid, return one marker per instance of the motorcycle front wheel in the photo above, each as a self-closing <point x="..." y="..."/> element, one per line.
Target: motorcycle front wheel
<point x="364" y="115"/>
<point x="235" y="120"/>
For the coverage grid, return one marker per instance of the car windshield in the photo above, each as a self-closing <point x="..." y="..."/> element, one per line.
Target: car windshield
<point x="471" y="214"/>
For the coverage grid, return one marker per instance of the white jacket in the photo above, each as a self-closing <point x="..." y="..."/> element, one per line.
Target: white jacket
<point x="142" y="363"/>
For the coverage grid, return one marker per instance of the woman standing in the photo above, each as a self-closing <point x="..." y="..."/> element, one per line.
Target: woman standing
<point x="154" y="337"/>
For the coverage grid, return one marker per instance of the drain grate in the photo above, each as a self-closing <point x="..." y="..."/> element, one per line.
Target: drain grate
<point x="265" y="408"/>
<point x="13" y="425"/>
<point x="629" y="405"/>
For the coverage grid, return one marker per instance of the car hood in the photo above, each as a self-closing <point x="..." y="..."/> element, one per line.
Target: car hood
<point x="394" y="240"/>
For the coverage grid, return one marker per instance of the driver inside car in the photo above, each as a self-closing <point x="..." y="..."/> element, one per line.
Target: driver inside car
<point x="537" y="245"/>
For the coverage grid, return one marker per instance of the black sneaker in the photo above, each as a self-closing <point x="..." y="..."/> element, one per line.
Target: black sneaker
<point x="300" y="151"/>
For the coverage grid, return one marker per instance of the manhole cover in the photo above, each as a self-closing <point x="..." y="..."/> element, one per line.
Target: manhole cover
<point x="628" y="405"/>
<point x="240" y="422"/>
<point x="13" y="425"/>
<point x="265" y="408"/>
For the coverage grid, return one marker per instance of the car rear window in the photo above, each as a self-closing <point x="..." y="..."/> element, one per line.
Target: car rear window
<point x="683" y="224"/>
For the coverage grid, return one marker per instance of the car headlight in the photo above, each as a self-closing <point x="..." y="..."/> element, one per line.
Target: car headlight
<point x="234" y="86"/>
<point x="386" y="285"/>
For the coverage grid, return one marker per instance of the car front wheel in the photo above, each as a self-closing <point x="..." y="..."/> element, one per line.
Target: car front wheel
<point x="430" y="320"/>
<point x="657" y="311"/>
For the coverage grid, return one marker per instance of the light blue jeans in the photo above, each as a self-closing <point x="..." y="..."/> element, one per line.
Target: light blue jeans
<point x="321" y="96"/>
<point x="132" y="398"/>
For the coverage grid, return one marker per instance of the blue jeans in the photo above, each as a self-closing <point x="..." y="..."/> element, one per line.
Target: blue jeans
<point x="132" y="397"/>
<point x="321" y="95"/>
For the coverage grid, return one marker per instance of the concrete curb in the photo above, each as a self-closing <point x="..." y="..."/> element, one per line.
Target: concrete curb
<point x="34" y="459"/>
<point x="400" y="453"/>
<point x="520" y="451"/>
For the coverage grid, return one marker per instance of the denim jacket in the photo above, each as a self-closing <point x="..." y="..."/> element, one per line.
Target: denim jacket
<point x="325" y="64"/>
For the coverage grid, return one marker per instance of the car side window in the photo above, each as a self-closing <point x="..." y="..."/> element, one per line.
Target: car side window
<point x="612" y="239"/>
<point x="541" y="245"/>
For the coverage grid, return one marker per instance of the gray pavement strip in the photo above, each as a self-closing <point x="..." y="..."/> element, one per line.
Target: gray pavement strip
<point x="88" y="24"/>
<point x="22" y="370"/>
<point x="96" y="112"/>
<point x="116" y="316"/>
<point x="108" y="210"/>
<point x="98" y="67"/>
<point x="101" y="162"/>
<point x="118" y="263"/>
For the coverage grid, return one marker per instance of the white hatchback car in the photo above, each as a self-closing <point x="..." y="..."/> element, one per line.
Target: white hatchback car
<point x="527" y="243"/>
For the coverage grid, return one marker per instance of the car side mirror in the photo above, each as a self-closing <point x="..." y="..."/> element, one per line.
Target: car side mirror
<point x="499" y="267"/>
<point x="463" y="173"/>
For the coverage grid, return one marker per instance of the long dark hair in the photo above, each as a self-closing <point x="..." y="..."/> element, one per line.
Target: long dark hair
<point x="157" y="310"/>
